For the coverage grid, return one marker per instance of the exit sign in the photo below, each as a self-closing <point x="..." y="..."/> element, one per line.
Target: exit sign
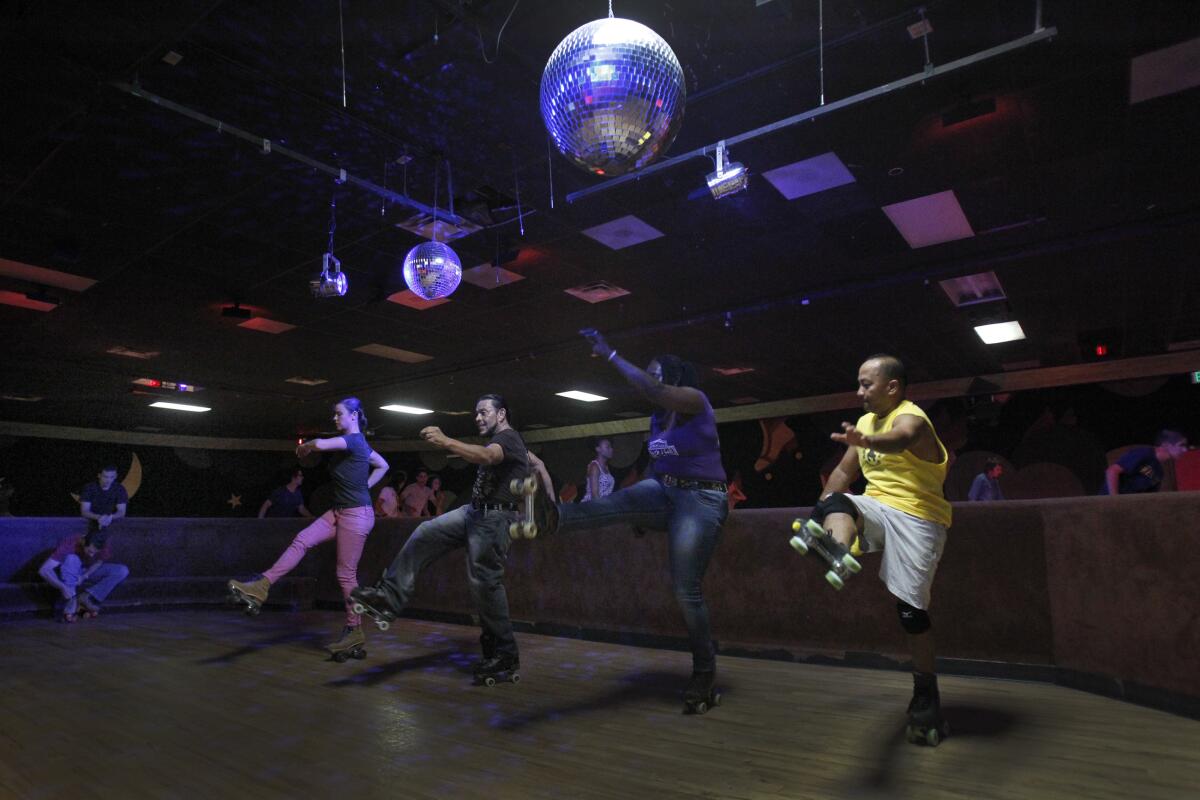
<point x="1196" y="376"/>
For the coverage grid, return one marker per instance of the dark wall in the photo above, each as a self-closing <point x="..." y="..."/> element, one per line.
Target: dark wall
<point x="1054" y="441"/>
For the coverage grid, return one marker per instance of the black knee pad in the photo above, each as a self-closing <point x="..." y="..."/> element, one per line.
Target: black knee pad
<point x="912" y="619"/>
<point x="836" y="503"/>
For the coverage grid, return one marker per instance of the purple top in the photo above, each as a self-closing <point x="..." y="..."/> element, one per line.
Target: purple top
<point x="690" y="449"/>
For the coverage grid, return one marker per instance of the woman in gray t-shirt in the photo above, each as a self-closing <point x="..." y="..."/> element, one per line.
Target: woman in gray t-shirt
<point x="354" y="468"/>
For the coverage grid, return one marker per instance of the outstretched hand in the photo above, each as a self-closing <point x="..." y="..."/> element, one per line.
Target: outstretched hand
<point x="434" y="436"/>
<point x="599" y="346"/>
<point x="850" y="436"/>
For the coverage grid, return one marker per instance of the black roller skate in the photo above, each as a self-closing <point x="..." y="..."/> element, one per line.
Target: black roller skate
<point x="926" y="725"/>
<point x="499" y="667"/>
<point x="700" y="696"/>
<point x="811" y="536"/>
<point x="374" y="602"/>
<point x="349" y="646"/>
<point x="487" y="644"/>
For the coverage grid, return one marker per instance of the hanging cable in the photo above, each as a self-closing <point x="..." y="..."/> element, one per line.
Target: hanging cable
<point x="821" y="45"/>
<point x="332" y="219"/>
<point x="610" y="14"/>
<point x="517" y="187"/>
<point x="550" y="169"/>
<point x="436" y="166"/>
<point x="342" y="37"/>
<point x="496" y="55"/>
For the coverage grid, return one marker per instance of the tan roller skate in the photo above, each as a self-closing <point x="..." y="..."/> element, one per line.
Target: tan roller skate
<point x="252" y="594"/>
<point x="88" y="607"/>
<point x="349" y="646"/>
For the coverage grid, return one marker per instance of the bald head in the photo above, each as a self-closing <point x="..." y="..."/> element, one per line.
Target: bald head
<point x="882" y="381"/>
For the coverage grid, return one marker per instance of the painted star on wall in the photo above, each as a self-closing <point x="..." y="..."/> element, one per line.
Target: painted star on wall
<point x="234" y="500"/>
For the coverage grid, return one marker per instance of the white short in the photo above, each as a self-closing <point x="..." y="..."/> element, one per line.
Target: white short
<point x="911" y="548"/>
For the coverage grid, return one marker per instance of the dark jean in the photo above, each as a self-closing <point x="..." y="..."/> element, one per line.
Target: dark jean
<point x="692" y="519"/>
<point x="485" y="535"/>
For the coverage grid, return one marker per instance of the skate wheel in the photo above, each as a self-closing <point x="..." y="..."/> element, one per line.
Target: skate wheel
<point x="340" y="657"/>
<point x="797" y="525"/>
<point x="359" y="608"/>
<point x="382" y="624"/>
<point x="851" y="563"/>
<point x="489" y="681"/>
<point x="834" y="580"/>
<point x="932" y="737"/>
<point x="700" y="708"/>
<point x="716" y="699"/>
<point x="516" y="678"/>
<point x="514" y="532"/>
<point x="252" y="611"/>
<point x="528" y="530"/>
<point x="799" y="545"/>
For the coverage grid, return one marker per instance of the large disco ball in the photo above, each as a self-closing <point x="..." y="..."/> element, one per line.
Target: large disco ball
<point x="432" y="270"/>
<point x="612" y="96"/>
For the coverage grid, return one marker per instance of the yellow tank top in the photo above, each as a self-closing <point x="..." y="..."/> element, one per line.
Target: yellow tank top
<point x="901" y="480"/>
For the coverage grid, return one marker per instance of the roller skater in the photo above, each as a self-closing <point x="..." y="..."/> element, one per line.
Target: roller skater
<point x="354" y="468"/>
<point x="685" y="496"/>
<point x="481" y="526"/>
<point x="903" y="513"/>
<point x="81" y="571"/>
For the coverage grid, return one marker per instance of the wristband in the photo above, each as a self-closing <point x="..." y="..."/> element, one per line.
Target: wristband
<point x="611" y="356"/>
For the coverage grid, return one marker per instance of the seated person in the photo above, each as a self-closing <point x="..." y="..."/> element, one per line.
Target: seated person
<point x="286" y="500"/>
<point x="84" y="575"/>
<point x="387" y="504"/>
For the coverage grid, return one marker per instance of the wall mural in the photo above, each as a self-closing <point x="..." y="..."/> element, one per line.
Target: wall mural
<point x="1052" y="443"/>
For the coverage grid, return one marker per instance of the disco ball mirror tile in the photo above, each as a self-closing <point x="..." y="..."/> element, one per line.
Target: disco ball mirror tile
<point x="432" y="270"/>
<point x="612" y="96"/>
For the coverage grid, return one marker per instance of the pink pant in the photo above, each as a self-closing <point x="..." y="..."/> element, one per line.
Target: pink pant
<point x="350" y="526"/>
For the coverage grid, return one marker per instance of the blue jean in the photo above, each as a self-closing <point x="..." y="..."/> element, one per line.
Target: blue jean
<point x="485" y="536"/>
<point x="692" y="519"/>
<point x="102" y="581"/>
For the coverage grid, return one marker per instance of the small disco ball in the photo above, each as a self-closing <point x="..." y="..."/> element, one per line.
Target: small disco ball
<point x="432" y="270"/>
<point x="612" y="96"/>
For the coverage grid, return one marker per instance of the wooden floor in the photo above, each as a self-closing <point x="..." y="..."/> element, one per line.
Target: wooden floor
<point x="199" y="704"/>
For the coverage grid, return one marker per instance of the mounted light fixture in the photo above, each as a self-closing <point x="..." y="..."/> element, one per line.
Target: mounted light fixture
<point x="332" y="282"/>
<point x="730" y="177"/>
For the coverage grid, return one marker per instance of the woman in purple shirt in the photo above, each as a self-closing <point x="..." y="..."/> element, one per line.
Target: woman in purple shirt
<point x="685" y="496"/>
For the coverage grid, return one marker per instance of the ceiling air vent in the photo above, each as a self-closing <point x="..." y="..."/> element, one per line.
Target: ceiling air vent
<point x="597" y="292"/>
<point x="982" y="287"/>
<point x="422" y="225"/>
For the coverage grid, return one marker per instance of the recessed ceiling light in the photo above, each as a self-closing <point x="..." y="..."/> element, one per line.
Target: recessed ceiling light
<point x="179" y="407"/>
<point x="305" y="381"/>
<point x="118" y="350"/>
<point x="407" y="409"/>
<point x="999" y="332"/>
<point x="587" y="397"/>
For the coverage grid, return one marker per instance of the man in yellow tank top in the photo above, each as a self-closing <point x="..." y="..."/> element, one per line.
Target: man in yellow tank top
<point x="903" y="512"/>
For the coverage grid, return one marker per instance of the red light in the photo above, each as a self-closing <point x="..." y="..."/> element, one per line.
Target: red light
<point x="658" y="103"/>
<point x="1101" y="350"/>
<point x="154" y="383"/>
<point x="599" y="172"/>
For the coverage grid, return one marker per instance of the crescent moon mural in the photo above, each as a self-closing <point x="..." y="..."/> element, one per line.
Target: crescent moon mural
<point x="133" y="478"/>
<point x="132" y="482"/>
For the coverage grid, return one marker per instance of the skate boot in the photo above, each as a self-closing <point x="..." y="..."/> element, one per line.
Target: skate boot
<point x="375" y="603"/>
<point x="70" y="609"/>
<point x="926" y="725"/>
<point x="700" y="696"/>
<point x="810" y="535"/>
<point x="252" y="594"/>
<point x="499" y="667"/>
<point x="349" y="646"/>
<point x="89" y="607"/>
<point x="487" y="644"/>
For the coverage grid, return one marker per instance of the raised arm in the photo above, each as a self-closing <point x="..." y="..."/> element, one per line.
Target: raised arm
<point x="488" y="455"/>
<point x="682" y="399"/>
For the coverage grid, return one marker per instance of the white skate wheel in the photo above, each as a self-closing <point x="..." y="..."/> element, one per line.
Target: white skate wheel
<point x="834" y="580"/>
<point x="359" y="608"/>
<point x="383" y="624"/>
<point x="851" y="563"/>
<point x="799" y="545"/>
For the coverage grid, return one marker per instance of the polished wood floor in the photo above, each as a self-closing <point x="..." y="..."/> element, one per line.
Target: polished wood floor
<point x="199" y="704"/>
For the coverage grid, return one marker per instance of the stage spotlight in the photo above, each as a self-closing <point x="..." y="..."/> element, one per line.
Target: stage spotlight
<point x="730" y="176"/>
<point x="332" y="282"/>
